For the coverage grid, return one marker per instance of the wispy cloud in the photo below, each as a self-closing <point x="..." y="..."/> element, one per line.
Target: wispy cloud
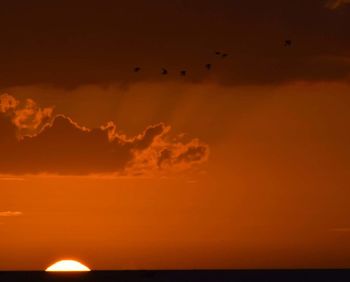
<point x="335" y="4"/>
<point x="10" y="213"/>
<point x="11" y="179"/>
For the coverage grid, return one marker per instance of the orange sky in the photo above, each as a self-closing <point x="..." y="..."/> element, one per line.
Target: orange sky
<point x="272" y="194"/>
<point x="246" y="166"/>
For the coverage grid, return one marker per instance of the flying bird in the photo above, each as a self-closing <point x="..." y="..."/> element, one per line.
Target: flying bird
<point x="164" y="71"/>
<point x="288" y="43"/>
<point x="137" y="69"/>
<point x="208" y="66"/>
<point x="183" y="72"/>
<point x="224" y="55"/>
<point x="218" y="53"/>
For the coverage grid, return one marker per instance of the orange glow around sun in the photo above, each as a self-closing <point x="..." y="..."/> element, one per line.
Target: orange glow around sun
<point x="67" y="265"/>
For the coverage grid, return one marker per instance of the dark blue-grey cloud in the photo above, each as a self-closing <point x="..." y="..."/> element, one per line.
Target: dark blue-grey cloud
<point x="67" y="43"/>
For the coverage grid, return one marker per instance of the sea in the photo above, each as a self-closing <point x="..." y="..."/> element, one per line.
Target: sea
<point x="341" y="275"/>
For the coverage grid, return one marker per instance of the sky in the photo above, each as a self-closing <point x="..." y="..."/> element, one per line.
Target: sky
<point x="244" y="165"/>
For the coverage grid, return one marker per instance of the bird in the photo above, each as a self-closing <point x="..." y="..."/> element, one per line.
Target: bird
<point x="208" y="66"/>
<point x="224" y="55"/>
<point x="183" y="72"/>
<point x="218" y="53"/>
<point x="137" y="69"/>
<point x="288" y="43"/>
<point x="164" y="71"/>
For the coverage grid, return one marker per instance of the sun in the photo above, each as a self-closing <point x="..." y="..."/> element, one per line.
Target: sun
<point x="67" y="265"/>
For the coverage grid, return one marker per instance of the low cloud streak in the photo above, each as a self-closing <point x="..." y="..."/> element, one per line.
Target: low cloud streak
<point x="10" y="213"/>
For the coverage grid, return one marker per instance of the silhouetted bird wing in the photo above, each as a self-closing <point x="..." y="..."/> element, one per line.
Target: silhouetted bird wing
<point x="137" y="69"/>
<point x="208" y="66"/>
<point x="164" y="71"/>
<point x="183" y="72"/>
<point x="288" y="43"/>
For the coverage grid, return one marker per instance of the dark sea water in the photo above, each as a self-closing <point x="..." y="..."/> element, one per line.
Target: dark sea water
<point x="178" y="276"/>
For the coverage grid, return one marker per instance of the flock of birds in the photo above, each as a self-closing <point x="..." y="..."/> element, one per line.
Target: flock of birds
<point x="208" y="66"/>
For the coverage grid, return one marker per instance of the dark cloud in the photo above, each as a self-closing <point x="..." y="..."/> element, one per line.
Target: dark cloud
<point x="69" y="43"/>
<point x="64" y="147"/>
<point x="335" y="4"/>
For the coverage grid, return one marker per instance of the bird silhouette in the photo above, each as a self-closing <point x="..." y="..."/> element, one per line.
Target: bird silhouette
<point x="224" y="55"/>
<point x="164" y="71"/>
<point x="137" y="69"/>
<point x="208" y="66"/>
<point x="288" y="43"/>
<point x="183" y="72"/>
<point x="218" y="53"/>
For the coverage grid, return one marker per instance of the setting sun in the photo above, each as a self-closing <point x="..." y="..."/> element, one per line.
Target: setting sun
<point x="175" y="140"/>
<point x="67" y="265"/>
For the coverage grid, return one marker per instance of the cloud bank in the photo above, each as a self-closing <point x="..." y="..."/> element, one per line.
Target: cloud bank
<point x="175" y="35"/>
<point x="35" y="141"/>
<point x="27" y="116"/>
